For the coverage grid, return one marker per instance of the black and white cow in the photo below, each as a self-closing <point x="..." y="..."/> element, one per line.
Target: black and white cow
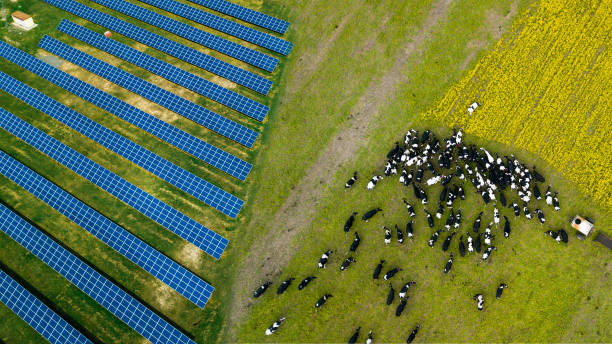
<point x="461" y="192"/>
<point x="270" y="330"/>
<point x="321" y="301"/>
<point x="449" y="264"/>
<point x="281" y="288"/>
<point x="369" y="340"/>
<point x="355" y="243"/>
<point x="495" y="216"/>
<point x="555" y="235"/>
<point x="378" y="269"/>
<point x="434" y="238"/>
<point x="349" y="183"/>
<point x="390" y="295"/>
<point x="450" y="221"/>
<point x="400" y="307"/>
<point x="405" y="288"/>
<point x="324" y="259"/>
<point x="410" y="208"/>
<point x="548" y="196"/>
<point x="476" y="225"/>
<point x="305" y="282"/>
<point x="370" y="213"/>
<point x="500" y="290"/>
<point x="400" y="234"/>
<point x="413" y="334"/>
<point x="391" y="273"/>
<point x="387" y="235"/>
<point x="470" y="242"/>
<point x="526" y="211"/>
<point x="540" y="215"/>
<point x="346" y="263"/>
<point x="373" y="181"/>
<point x="457" y="222"/>
<point x="349" y="222"/>
<point x="487" y="234"/>
<point x="487" y="252"/>
<point x="563" y="235"/>
<point x="409" y="229"/>
<point x="355" y="336"/>
<point x="440" y="210"/>
<point x="430" y="220"/>
<point x="262" y="289"/>
<point x="480" y="301"/>
<point x="506" y="228"/>
<point x="517" y="209"/>
<point x="555" y="202"/>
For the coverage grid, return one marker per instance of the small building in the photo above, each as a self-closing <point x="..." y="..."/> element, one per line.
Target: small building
<point x="23" y="20"/>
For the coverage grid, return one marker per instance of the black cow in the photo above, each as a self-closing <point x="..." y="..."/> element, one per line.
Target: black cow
<point x="390" y="295"/>
<point x="563" y="235"/>
<point x="393" y="152"/>
<point x="447" y="242"/>
<point x="449" y="264"/>
<point x="477" y="245"/>
<point x="378" y="269"/>
<point x="506" y="228"/>
<point x="430" y="219"/>
<point x="502" y="198"/>
<point x="355" y="336"/>
<point x="461" y="192"/>
<point x="538" y="176"/>
<point x="434" y="238"/>
<point x="324" y="258"/>
<point x="500" y="290"/>
<point x="409" y="229"/>
<point x="351" y="181"/>
<point x="391" y="273"/>
<point x="321" y="301"/>
<point x="450" y="220"/>
<point x="368" y="215"/>
<point x="458" y="218"/>
<point x="346" y="263"/>
<point x="405" y="288"/>
<point x="536" y="192"/>
<point x="413" y="334"/>
<point x="400" y="308"/>
<point x="349" y="222"/>
<point x="305" y="282"/>
<point x="476" y="225"/>
<point x="461" y="247"/>
<point x="281" y="288"/>
<point x="355" y="243"/>
<point x="262" y="289"/>
<point x="400" y="234"/>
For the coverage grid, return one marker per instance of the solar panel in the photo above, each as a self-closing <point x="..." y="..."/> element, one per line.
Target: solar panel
<point x="166" y="132"/>
<point x="195" y="83"/>
<point x="246" y="14"/>
<point x="164" y="169"/>
<point x="40" y="317"/>
<point x="170" y="218"/>
<point x="172" y="48"/>
<point x="108" y="295"/>
<point x="134" y="249"/>
<point x="229" y="48"/>
<point x="169" y="100"/>
<point x="223" y="25"/>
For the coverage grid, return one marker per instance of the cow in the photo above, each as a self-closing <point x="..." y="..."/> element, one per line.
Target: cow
<point x="355" y="336"/>
<point x="548" y="196"/>
<point x="419" y="174"/>
<point x="555" y="202"/>
<point x="480" y="301"/>
<point x="470" y="246"/>
<point x="526" y="211"/>
<point x="540" y="215"/>
<point x="563" y="235"/>
<point x="400" y="234"/>
<point x="281" y="288"/>
<point x="387" y="235"/>
<point x="449" y="264"/>
<point x="378" y="269"/>
<point x="349" y="222"/>
<point x="536" y="192"/>
<point x="506" y="228"/>
<point x="324" y="258"/>
<point x="262" y="289"/>
<point x="395" y="151"/>
<point x="500" y="290"/>
<point x="440" y="210"/>
<point x="447" y="242"/>
<point x="355" y="243"/>
<point x="487" y="252"/>
<point x="495" y="215"/>
<point x="430" y="220"/>
<point x="502" y="198"/>
<point x="434" y="238"/>
<point x="349" y="183"/>
<point x="369" y="340"/>
<point x="517" y="209"/>
<point x="373" y="181"/>
<point x="487" y="234"/>
<point x="461" y="247"/>
<point x="370" y="213"/>
<point x="476" y="225"/>
<point x="405" y="288"/>
<point x="461" y="192"/>
<point x="321" y="301"/>
<point x="274" y="326"/>
<point x="555" y="235"/>
<point x="410" y="208"/>
<point x="409" y="229"/>
<point x="346" y="263"/>
<point x="450" y="220"/>
<point x="305" y="282"/>
<point x="457" y="219"/>
<point x="413" y="334"/>
<point x="477" y="243"/>
<point x="400" y="307"/>
<point x="391" y="273"/>
<point x="390" y="295"/>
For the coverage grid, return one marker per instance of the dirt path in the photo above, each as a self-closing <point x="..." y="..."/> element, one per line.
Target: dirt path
<point x="297" y="212"/>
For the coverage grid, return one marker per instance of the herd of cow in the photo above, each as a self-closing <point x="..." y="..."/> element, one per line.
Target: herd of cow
<point x="424" y="160"/>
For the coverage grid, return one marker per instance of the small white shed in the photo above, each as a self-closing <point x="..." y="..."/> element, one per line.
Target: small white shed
<point x="23" y="20"/>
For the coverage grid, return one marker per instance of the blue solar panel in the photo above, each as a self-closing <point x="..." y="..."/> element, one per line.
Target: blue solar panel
<point x="134" y="249"/>
<point x="44" y="320"/>
<point x="180" y="139"/>
<point x="203" y="38"/>
<point x="195" y="83"/>
<point x="246" y="14"/>
<point x="188" y="182"/>
<point x="223" y="25"/>
<point x="169" y="100"/>
<point x="121" y="304"/>
<point x="172" y="48"/>
<point x="170" y="218"/>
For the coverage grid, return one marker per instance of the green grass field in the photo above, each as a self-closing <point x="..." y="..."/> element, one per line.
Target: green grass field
<point x="359" y="74"/>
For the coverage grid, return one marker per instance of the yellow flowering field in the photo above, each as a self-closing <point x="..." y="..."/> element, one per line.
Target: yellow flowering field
<point x="546" y="87"/>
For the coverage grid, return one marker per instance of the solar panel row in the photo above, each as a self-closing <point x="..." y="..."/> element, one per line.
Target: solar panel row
<point x="246" y="14"/>
<point x="40" y="317"/>
<point x="134" y="249"/>
<point x="223" y="25"/>
<point x="195" y="83"/>
<point x="170" y="218"/>
<point x="166" y="132"/>
<point x="188" y="182"/>
<point x="169" y="100"/>
<point x="206" y="62"/>
<point x="229" y="48"/>
<point x="121" y="304"/>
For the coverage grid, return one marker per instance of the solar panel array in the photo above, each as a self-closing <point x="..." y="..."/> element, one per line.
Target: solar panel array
<point x="195" y="83"/>
<point x="40" y="317"/>
<point x="179" y="105"/>
<point x="206" y="62"/>
<point x="170" y="218"/>
<point x="188" y="182"/>
<point x="229" y="48"/>
<point x="134" y="249"/>
<point x="246" y="14"/>
<point x="121" y="304"/>
<point x="223" y="25"/>
<point x="180" y="139"/>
